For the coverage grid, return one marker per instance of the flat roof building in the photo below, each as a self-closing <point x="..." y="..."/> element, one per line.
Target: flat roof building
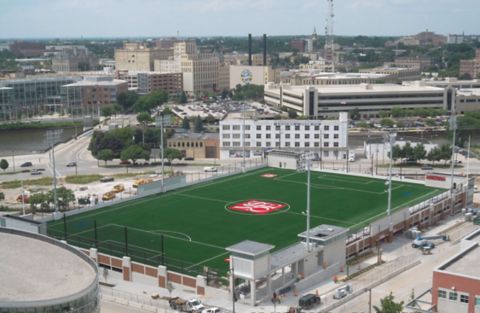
<point x="369" y="99"/>
<point x="41" y="274"/>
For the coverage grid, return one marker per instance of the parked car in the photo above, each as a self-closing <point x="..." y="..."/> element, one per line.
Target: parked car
<point x="210" y="169"/>
<point x="211" y="310"/>
<point x="125" y="162"/>
<point x="422" y="243"/>
<point x="427" y="168"/>
<point x="189" y="158"/>
<point x="71" y="164"/>
<point x="108" y="196"/>
<point x="118" y="188"/>
<point x="308" y="301"/>
<point x="107" y="179"/>
<point x="35" y="172"/>
<point x="26" y="164"/>
<point x="141" y="181"/>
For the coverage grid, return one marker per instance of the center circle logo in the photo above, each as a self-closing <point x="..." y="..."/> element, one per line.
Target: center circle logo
<point x="246" y="76"/>
<point x="260" y="207"/>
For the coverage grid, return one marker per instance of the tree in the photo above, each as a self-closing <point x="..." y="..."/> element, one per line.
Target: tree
<point x="182" y="97"/>
<point x="419" y="152"/>
<point x="355" y="114"/>
<point x="388" y="305"/>
<point x="397" y="152"/>
<point x="198" y="125"/>
<point x="38" y="199"/>
<point x="292" y="113"/>
<point x="186" y="123"/>
<point x="407" y="151"/>
<point x="4" y="164"/>
<point x="105" y="155"/>
<point x="107" y="111"/>
<point x="126" y="100"/>
<point x="64" y="197"/>
<point x="134" y="152"/>
<point x="386" y="122"/>
<point x="434" y="155"/>
<point x="445" y="153"/>
<point x="172" y="154"/>
<point x="2" y="195"/>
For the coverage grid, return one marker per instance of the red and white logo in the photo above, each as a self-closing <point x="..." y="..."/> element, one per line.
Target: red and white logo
<point x="257" y="207"/>
<point x="269" y="175"/>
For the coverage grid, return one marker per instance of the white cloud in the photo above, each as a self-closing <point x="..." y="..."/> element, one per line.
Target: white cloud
<point x="206" y="6"/>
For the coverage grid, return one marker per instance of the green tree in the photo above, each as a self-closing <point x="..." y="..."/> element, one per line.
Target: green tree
<point x="407" y="151"/>
<point x="105" y="155"/>
<point x="445" y="153"/>
<point x="386" y="122"/>
<point x="182" y="97"/>
<point x="186" y="123"/>
<point x="64" y="197"/>
<point x="38" y="199"/>
<point x="419" y="152"/>
<point x="388" y="305"/>
<point x="434" y="155"/>
<point x="292" y="113"/>
<point x="134" y="153"/>
<point x="126" y="100"/>
<point x="355" y="114"/>
<point x="108" y="111"/>
<point x="397" y="152"/>
<point x="2" y="195"/>
<point x="172" y="154"/>
<point x="198" y="125"/>
<point x="4" y="164"/>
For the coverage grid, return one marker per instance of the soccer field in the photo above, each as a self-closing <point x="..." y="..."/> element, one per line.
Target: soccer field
<point x="189" y="228"/>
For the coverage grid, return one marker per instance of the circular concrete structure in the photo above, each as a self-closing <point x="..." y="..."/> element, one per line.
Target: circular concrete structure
<point x="40" y="274"/>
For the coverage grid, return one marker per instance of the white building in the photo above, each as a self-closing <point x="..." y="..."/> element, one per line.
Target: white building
<point x="328" y="138"/>
<point x="369" y="99"/>
<point x="245" y="74"/>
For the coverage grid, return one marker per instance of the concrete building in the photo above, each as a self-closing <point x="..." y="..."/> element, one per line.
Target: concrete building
<point x="317" y="77"/>
<point x="33" y="96"/>
<point x="71" y="58"/>
<point x="328" y="138"/>
<point x="451" y="82"/>
<point x="467" y="100"/>
<point x="298" y="45"/>
<point x="27" y="49"/>
<point x="413" y="62"/>
<point x="456" y="39"/>
<point x="456" y="283"/>
<point x="196" y="146"/>
<point x="136" y="57"/>
<point x="88" y="96"/>
<point x="395" y="74"/>
<point x="255" y="75"/>
<point x="200" y="70"/>
<point x="6" y="103"/>
<point x="471" y="67"/>
<point x="146" y="82"/>
<point x="40" y="274"/>
<point x="369" y="99"/>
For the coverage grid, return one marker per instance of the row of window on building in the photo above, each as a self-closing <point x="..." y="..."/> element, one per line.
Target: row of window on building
<point x="297" y="144"/>
<point x="287" y="136"/>
<point x="278" y="127"/>
<point x="184" y="144"/>
<point x="455" y="296"/>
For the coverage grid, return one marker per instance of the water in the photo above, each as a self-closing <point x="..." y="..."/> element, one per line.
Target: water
<point x="28" y="141"/>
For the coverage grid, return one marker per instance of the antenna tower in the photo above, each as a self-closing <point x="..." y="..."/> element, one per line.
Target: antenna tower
<point x="329" y="43"/>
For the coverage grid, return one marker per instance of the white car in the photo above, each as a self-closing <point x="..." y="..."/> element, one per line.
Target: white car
<point x="210" y="169"/>
<point x="195" y="305"/>
<point x="211" y="310"/>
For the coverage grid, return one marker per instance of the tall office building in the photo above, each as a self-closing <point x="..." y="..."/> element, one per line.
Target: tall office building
<point x="200" y="70"/>
<point x="136" y="57"/>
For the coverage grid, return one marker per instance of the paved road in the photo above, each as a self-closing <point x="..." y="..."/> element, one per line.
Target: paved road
<point x="110" y="307"/>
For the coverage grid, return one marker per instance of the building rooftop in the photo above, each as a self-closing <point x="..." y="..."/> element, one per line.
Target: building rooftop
<point x="359" y="88"/>
<point x="250" y="248"/>
<point x="469" y="92"/>
<point x="465" y="263"/>
<point x="194" y="136"/>
<point x="96" y="82"/>
<point x="38" y="268"/>
<point x="332" y="76"/>
<point x="324" y="234"/>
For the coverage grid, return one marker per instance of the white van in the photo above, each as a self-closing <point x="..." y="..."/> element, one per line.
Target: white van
<point x="210" y="169"/>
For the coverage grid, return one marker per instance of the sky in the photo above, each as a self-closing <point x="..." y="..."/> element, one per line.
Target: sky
<point x="192" y="18"/>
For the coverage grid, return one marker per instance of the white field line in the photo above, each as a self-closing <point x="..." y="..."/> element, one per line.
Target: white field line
<point x="206" y="260"/>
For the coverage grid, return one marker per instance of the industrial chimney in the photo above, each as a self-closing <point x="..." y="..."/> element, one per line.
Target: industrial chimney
<point x="250" y="49"/>
<point x="264" y="49"/>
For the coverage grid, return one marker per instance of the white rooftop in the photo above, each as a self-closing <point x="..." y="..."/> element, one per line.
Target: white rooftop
<point x="469" y="92"/>
<point x="35" y="270"/>
<point x="361" y="88"/>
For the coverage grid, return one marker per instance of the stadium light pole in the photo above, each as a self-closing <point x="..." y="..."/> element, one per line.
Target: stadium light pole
<point x="243" y="137"/>
<point x="453" y="124"/>
<point x="468" y="160"/>
<point x="161" y="150"/>
<point x="308" y="203"/>
<point x="389" y="203"/>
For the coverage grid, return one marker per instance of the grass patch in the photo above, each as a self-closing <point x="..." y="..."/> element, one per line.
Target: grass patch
<point x="82" y="179"/>
<point x="44" y="181"/>
<point x="133" y="174"/>
<point x="194" y="224"/>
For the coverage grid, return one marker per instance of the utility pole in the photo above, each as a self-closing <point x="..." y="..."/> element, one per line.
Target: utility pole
<point x="468" y="160"/>
<point x="453" y="124"/>
<point x="308" y="203"/>
<point x="23" y="200"/>
<point x="389" y="203"/>
<point x="243" y="138"/>
<point x="161" y="150"/>
<point x="13" y="160"/>
<point x="53" y="136"/>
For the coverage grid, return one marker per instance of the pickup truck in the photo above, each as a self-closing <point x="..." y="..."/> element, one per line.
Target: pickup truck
<point x="192" y="305"/>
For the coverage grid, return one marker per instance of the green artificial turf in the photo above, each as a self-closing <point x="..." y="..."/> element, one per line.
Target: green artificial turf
<point x="197" y="226"/>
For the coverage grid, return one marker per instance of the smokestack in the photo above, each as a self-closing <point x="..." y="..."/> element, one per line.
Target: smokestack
<point x="250" y="49"/>
<point x="264" y="49"/>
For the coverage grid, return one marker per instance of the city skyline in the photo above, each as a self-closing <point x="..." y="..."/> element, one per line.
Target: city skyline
<point x="195" y="18"/>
